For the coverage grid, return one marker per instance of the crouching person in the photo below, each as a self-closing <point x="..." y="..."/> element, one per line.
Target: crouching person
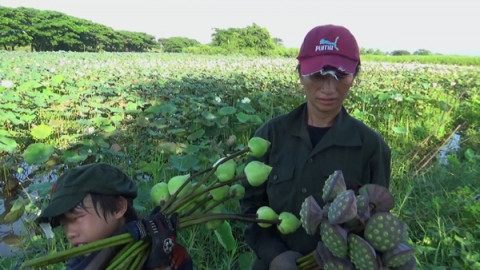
<point x="95" y="201"/>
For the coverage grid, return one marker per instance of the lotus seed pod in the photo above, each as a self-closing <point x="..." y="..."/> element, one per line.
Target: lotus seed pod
<point x="361" y="253"/>
<point x="311" y="215"/>
<point x="398" y="256"/>
<point x="237" y="191"/>
<point x="258" y="146"/>
<point x="219" y="193"/>
<point x="343" y="208"/>
<point x="289" y="223"/>
<point x="226" y="170"/>
<point x="176" y="182"/>
<point x="363" y="206"/>
<point x="410" y="265"/>
<point x="159" y="193"/>
<point x="335" y="239"/>
<point x="379" y="196"/>
<point x="322" y="254"/>
<point x="257" y="172"/>
<point x="334" y="185"/>
<point x="338" y="264"/>
<point x="266" y="213"/>
<point x="383" y="231"/>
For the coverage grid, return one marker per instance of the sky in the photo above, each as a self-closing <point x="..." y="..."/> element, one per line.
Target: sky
<point x="440" y="26"/>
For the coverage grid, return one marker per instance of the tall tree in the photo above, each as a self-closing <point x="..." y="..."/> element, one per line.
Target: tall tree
<point x="13" y="30"/>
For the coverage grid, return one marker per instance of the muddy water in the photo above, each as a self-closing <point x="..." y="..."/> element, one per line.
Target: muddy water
<point x="11" y="234"/>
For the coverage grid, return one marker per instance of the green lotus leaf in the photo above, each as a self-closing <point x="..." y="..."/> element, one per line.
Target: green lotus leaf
<point x="37" y="153"/>
<point x="41" y="132"/>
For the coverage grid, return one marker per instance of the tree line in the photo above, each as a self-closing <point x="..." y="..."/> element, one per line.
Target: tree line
<point x="44" y="30"/>
<point x="54" y="31"/>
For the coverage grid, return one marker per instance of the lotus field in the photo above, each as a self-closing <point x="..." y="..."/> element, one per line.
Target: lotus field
<point x="160" y="116"/>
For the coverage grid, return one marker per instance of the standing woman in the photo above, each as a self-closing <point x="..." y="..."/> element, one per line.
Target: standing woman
<point x="310" y="143"/>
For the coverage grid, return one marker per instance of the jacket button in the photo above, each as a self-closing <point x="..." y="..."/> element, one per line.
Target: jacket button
<point x="310" y="160"/>
<point x="304" y="190"/>
<point x="275" y="177"/>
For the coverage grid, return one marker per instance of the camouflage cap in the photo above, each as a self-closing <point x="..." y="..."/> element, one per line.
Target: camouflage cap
<point x="72" y="186"/>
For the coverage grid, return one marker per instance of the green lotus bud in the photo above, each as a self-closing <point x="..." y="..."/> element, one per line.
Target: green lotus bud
<point x="258" y="146"/>
<point x="289" y="223"/>
<point x="361" y="253"/>
<point x="219" y="193"/>
<point x="343" y="208"/>
<point x="203" y="195"/>
<point x="311" y="215"/>
<point x="226" y="170"/>
<point x="334" y="185"/>
<point x="257" y="172"/>
<point x="266" y="213"/>
<point x="176" y="182"/>
<point x="159" y="192"/>
<point x="237" y="191"/>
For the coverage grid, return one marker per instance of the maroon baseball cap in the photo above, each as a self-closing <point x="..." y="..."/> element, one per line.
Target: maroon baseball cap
<point x="329" y="45"/>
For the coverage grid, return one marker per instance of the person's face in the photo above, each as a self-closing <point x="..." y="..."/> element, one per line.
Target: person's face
<point x="325" y="94"/>
<point x="83" y="226"/>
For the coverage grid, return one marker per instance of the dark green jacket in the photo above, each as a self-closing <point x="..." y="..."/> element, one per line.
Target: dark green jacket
<point x="300" y="170"/>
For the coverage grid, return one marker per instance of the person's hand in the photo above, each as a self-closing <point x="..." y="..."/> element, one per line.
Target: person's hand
<point x="162" y="231"/>
<point x="285" y="261"/>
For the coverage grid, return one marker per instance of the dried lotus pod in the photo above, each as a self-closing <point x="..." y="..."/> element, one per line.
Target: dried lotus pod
<point x="343" y="208"/>
<point x="335" y="239"/>
<point x="379" y="196"/>
<point x="383" y="231"/>
<point x="398" y="256"/>
<point x="338" y="264"/>
<point x="334" y="185"/>
<point x="361" y="253"/>
<point x="311" y="214"/>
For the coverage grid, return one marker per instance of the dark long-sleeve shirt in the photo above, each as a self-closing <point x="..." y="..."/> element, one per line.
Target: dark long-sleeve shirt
<point x="300" y="170"/>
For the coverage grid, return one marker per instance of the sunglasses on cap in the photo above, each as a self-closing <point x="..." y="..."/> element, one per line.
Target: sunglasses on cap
<point x="335" y="72"/>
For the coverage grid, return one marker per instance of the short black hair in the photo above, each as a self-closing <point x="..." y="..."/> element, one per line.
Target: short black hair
<point x="108" y="204"/>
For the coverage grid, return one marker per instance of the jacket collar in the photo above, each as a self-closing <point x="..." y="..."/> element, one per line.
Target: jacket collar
<point x="342" y="133"/>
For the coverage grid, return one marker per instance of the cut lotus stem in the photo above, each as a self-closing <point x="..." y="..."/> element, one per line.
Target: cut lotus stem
<point x="209" y="172"/>
<point x="78" y="251"/>
<point x="123" y="256"/>
<point x="194" y="220"/>
<point x="181" y="201"/>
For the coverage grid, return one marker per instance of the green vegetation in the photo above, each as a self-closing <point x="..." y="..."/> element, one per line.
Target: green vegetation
<point x="161" y="115"/>
<point x="425" y="59"/>
<point x="54" y="31"/>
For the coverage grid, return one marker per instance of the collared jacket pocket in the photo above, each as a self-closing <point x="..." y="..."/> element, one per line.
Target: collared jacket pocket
<point x="280" y="189"/>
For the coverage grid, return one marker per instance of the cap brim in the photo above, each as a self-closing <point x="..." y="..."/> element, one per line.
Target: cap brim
<point x="59" y="206"/>
<point x="314" y="64"/>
